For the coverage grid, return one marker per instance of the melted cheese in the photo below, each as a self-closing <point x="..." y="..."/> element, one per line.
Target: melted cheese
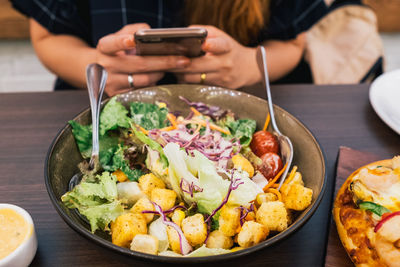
<point x="380" y="185"/>
<point x="13" y="231"/>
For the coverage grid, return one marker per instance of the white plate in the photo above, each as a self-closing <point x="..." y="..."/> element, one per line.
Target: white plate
<point x="384" y="95"/>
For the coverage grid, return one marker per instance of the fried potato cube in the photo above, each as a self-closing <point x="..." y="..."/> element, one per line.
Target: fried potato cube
<point x="173" y="239"/>
<point x="273" y="215"/>
<point x="251" y="234"/>
<point x="241" y="162"/>
<point x="148" y="182"/>
<point x="178" y="216"/>
<point x="145" y="243"/>
<point x="229" y="220"/>
<point x="297" y="197"/>
<point x="165" y="198"/>
<point x="126" y="227"/>
<point x="216" y="239"/>
<point x="144" y="204"/>
<point x="195" y="229"/>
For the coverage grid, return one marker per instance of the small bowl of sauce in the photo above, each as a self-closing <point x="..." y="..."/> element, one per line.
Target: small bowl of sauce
<point x="18" y="243"/>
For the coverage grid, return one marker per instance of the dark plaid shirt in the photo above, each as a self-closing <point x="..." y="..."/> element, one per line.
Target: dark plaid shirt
<point x="92" y="19"/>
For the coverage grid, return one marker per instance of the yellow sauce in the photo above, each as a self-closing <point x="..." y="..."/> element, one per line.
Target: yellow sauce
<point x="14" y="229"/>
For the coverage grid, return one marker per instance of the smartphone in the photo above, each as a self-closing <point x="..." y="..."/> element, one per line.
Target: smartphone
<point x="170" y="41"/>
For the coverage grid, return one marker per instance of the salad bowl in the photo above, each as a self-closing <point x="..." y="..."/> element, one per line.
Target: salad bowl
<point x="63" y="158"/>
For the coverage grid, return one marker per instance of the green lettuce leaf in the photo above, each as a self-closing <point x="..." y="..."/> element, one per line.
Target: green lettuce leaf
<point x="113" y="115"/>
<point x="120" y="162"/>
<point x="204" y="251"/>
<point x="83" y="137"/>
<point x="242" y="129"/>
<point x="100" y="216"/>
<point x="97" y="200"/>
<point x="214" y="186"/>
<point x="149" y="116"/>
<point x="151" y="143"/>
<point x="177" y="169"/>
<point x="155" y="165"/>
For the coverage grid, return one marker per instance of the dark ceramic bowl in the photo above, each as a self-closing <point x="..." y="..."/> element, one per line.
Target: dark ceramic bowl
<point x="63" y="158"/>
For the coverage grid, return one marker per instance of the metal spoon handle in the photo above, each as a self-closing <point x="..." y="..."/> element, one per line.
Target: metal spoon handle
<point x="96" y="77"/>
<point x="263" y="66"/>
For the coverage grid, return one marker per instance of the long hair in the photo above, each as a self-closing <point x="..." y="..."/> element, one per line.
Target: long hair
<point x="241" y="19"/>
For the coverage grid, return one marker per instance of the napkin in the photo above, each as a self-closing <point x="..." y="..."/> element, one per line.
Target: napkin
<point x="349" y="160"/>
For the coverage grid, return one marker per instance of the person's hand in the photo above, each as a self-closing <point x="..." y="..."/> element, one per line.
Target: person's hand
<point x="226" y="63"/>
<point x="115" y="52"/>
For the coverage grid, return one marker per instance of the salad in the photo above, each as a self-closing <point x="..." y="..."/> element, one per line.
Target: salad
<point x="195" y="185"/>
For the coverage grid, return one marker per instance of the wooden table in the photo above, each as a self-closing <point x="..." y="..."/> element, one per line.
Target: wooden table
<point x="337" y="115"/>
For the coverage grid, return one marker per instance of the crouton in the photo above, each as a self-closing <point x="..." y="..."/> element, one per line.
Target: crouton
<point x="297" y="197"/>
<point x="265" y="197"/>
<point x="144" y="204"/>
<point x="126" y="227"/>
<point x="148" y="182"/>
<point x="240" y="162"/>
<point x="173" y="239"/>
<point x="194" y="229"/>
<point x="229" y="220"/>
<point x="216" y="239"/>
<point x="165" y="198"/>
<point x="273" y="215"/>
<point x="251" y="234"/>
<point x="145" y="243"/>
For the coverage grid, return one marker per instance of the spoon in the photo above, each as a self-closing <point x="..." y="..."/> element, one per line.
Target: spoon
<point x="285" y="144"/>
<point x="96" y="77"/>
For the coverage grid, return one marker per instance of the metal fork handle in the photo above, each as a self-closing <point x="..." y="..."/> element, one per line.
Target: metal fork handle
<point x="262" y="54"/>
<point x="96" y="77"/>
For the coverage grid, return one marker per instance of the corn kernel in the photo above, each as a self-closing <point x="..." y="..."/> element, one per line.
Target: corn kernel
<point x="240" y="161"/>
<point x="162" y="105"/>
<point x="178" y="216"/>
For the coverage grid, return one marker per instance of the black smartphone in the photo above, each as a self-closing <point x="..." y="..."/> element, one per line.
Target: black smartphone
<point x="170" y="41"/>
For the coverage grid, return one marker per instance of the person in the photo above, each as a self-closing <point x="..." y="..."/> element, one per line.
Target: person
<point x="67" y="35"/>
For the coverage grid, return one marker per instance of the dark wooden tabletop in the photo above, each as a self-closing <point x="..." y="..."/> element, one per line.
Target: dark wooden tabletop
<point x="337" y="115"/>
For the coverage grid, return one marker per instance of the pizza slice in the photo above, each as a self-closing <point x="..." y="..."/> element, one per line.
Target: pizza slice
<point x="367" y="214"/>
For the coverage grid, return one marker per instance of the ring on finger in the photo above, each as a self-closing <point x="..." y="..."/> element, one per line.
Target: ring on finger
<point x="130" y="81"/>
<point x="202" y="77"/>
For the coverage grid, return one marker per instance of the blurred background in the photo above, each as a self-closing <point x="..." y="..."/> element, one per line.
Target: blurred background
<point x="21" y="70"/>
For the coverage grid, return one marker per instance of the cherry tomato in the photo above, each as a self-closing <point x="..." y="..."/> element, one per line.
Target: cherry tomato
<point x="264" y="142"/>
<point x="271" y="165"/>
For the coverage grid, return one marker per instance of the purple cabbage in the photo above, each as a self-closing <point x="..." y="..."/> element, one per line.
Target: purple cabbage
<point x="189" y="188"/>
<point x="232" y="186"/>
<point x="185" y="247"/>
<point x="244" y="212"/>
<point x="212" y="111"/>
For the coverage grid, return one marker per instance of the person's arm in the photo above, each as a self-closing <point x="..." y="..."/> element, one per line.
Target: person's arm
<point x="230" y="64"/>
<point x="64" y="55"/>
<point x="284" y="56"/>
<point x="67" y="56"/>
